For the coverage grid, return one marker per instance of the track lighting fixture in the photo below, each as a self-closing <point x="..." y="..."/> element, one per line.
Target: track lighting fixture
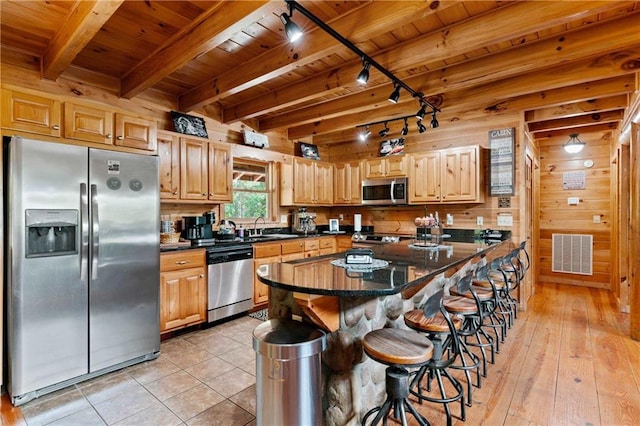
<point x="434" y="121"/>
<point x="574" y="145"/>
<point x="395" y="95"/>
<point x="363" y="76"/>
<point x="365" y="134"/>
<point x="384" y="131"/>
<point x="367" y="61"/>
<point x="405" y="129"/>
<point x="291" y="29"/>
<point x="421" y="127"/>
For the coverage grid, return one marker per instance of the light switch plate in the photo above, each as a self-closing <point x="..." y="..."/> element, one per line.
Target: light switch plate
<point x="479" y="221"/>
<point x="596" y="218"/>
<point x="573" y="201"/>
<point x="283" y="218"/>
<point x="505" y="220"/>
<point x="449" y="219"/>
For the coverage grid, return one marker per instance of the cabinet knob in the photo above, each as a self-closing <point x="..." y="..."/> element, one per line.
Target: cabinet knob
<point x="201" y="275"/>
<point x="204" y="194"/>
<point x="55" y="127"/>
<point x="119" y="137"/>
<point x="108" y="136"/>
<point x="211" y="194"/>
<point x="175" y="192"/>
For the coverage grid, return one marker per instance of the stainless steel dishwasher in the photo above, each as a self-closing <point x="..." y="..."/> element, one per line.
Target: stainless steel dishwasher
<point x="230" y="280"/>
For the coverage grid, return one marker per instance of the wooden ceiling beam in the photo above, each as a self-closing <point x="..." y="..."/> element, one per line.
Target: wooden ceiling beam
<point x="82" y="23"/>
<point x="213" y="28"/>
<point x="576" y="121"/>
<point x="358" y="26"/>
<point x="534" y="56"/>
<point x="605" y="66"/>
<point x="578" y="108"/>
<point x="600" y="127"/>
<point x="456" y="40"/>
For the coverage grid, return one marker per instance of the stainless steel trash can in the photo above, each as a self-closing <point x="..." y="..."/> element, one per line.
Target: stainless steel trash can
<point x="288" y="373"/>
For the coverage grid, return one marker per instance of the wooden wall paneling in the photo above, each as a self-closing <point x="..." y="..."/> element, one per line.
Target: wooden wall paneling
<point x="623" y="256"/>
<point x="556" y="216"/>
<point x="634" y="249"/>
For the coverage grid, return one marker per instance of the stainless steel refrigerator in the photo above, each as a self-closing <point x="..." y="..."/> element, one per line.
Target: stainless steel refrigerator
<point x="82" y="263"/>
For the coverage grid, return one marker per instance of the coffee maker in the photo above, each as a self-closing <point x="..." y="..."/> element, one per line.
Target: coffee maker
<point x="304" y="222"/>
<point x="198" y="227"/>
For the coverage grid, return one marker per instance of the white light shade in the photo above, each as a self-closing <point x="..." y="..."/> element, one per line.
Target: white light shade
<point x="574" y="145"/>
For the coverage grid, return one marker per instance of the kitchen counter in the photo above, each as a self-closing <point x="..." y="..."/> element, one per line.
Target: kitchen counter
<point x="265" y="238"/>
<point x="349" y="304"/>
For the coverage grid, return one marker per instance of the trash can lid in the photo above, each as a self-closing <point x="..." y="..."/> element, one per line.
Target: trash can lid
<point x="287" y="339"/>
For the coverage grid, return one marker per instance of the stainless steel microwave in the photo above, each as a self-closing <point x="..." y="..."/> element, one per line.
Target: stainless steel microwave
<point x="386" y="191"/>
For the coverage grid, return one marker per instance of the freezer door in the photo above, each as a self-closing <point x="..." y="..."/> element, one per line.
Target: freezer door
<point x="125" y="257"/>
<point x="47" y="300"/>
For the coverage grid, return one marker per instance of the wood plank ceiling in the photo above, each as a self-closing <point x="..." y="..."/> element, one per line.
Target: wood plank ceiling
<point x="569" y="66"/>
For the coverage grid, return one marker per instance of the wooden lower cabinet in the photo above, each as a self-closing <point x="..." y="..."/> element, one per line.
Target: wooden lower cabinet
<point x="183" y="289"/>
<point x="263" y="254"/>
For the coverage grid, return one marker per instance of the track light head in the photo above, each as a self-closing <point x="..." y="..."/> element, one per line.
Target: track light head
<point x="384" y="131"/>
<point x="405" y="129"/>
<point x="395" y="95"/>
<point x="421" y="127"/>
<point x="291" y="29"/>
<point x="365" y="134"/>
<point x="363" y="76"/>
<point x="422" y="112"/>
<point x="434" y="121"/>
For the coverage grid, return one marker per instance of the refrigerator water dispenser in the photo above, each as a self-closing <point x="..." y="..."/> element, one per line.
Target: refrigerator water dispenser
<point x="51" y="232"/>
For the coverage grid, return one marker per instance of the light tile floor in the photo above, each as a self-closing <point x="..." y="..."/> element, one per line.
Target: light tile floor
<point x="204" y="377"/>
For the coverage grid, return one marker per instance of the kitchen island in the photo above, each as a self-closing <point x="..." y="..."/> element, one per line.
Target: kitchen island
<point x="348" y="303"/>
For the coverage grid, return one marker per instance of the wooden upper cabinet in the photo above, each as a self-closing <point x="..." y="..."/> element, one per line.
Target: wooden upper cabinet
<point x="347" y="183"/>
<point x="393" y="166"/>
<point x="447" y="176"/>
<point x="424" y="178"/>
<point x="169" y="156"/>
<point x="194" y="174"/>
<point x="88" y="124"/>
<point x="30" y="113"/>
<point x="220" y="172"/>
<point x="135" y="132"/>
<point x="303" y="181"/>
<point x="323" y="180"/>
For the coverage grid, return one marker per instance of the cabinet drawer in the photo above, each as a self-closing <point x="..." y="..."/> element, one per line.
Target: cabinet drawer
<point x="327" y="242"/>
<point x="181" y="260"/>
<point x="311" y="245"/>
<point x="266" y="250"/>
<point x="292" y="246"/>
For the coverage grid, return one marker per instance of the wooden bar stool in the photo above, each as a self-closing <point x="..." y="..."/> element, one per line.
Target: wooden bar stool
<point x="441" y="329"/>
<point x="399" y="349"/>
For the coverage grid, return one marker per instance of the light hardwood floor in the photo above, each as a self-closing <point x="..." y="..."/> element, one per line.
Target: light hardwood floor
<point x="568" y="360"/>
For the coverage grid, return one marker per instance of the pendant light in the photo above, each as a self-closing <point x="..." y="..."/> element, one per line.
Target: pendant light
<point x="574" y="145"/>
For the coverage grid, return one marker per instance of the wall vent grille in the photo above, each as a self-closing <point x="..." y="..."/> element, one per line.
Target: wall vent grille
<point x="572" y="254"/>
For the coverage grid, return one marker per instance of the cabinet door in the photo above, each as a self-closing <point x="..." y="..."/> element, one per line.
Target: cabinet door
<point x="323" y="184"/>
<point x="30" y="113"/>
<point x="347" y="183"/>
<point x="424" y="182"/>
<point x="375" y="168"/>
<point x="88" y="124"/>
<point x="169" y="155"/>
<point x="220" y="172"/>
<point x="459" y="174"/>
<point x="194" y="176"/>
<point x="260" y="290"/>
<point x="135" y="132"/>
<point x="183" y="298"/>
<point x="303" y="181"/>
<point x="396" y="166"/>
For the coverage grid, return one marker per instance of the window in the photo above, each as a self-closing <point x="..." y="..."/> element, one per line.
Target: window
<point x="251" y="190"/>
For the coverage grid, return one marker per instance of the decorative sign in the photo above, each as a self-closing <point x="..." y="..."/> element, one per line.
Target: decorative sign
<point x="392" y="147"/>
<point x="573" y="180"/>
<point x="189" y="124"/>
<point x="309" y="151"/>
<point x="502" y="167"/>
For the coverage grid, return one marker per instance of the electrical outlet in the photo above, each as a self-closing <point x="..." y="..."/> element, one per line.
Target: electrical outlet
<point x="505" y="220"/>
<point x="596" y="218"/>
<point x="449" y="219"/>
<point x="283" y="218"/>
<point x="479" y="221"/>
<point x="340" y="216"/>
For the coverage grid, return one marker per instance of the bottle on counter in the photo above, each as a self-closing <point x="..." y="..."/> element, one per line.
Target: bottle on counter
<point x="240" y="232"/>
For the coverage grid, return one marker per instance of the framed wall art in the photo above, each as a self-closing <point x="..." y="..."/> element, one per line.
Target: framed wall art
<point x="309" y="151"/>
<point x="189" y="124"/>
<point x="392" y="147"/>
<point x="502" y="162"/>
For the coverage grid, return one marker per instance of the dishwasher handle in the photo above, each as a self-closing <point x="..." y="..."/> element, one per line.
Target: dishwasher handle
<point x="229" y="256"/>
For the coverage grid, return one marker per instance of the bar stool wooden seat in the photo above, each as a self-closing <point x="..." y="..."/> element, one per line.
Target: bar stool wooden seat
<point x="399" y="349"/>
<point x="441" y="329"/>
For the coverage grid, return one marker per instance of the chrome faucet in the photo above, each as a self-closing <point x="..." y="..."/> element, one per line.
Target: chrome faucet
<point x="255" y="225"/>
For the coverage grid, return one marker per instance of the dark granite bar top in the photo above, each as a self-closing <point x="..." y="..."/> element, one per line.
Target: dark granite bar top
<point x="407" y="266"/>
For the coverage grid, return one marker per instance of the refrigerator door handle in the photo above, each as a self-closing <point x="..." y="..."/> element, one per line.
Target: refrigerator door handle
<point x="95" y="232"/>
<point x="84" y="231"/>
